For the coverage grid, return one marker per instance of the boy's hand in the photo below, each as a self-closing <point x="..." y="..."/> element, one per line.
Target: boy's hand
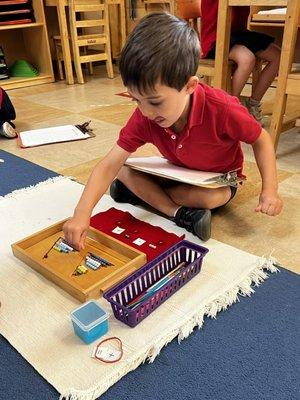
<point x="269" y="203"/>
<point x="75" y="230"/>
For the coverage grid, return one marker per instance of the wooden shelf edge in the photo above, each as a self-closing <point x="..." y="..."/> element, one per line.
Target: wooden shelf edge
<point x="15" y="83"/>
<point x="20" y="26"/>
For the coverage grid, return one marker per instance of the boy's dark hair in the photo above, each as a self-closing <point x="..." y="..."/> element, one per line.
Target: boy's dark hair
<point x="161" y="49"/>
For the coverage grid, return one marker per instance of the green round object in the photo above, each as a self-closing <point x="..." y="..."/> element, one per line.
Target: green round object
<point x="22" y="68"/>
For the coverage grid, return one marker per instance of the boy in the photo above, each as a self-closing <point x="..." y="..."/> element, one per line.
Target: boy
<point x="245" y="47"/>
<point x="191" y="124"/>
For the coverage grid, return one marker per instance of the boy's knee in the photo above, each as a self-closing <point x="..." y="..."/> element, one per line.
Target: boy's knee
<point x="243" y="57"/>
<point x="212" y="198"/>
<point x="248" y="61"/>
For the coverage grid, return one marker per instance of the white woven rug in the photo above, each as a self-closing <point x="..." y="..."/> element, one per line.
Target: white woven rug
<point x="34" y="316"/>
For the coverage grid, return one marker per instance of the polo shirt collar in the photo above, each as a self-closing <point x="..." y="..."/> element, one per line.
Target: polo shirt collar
<point x="197" y="109"/>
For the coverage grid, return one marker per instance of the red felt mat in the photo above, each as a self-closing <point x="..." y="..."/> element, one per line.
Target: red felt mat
<point x="126" y="228"/>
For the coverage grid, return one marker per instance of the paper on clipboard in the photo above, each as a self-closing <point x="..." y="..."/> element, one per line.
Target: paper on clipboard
<point x="161" y="167"/>
<point x="55" y="134"/>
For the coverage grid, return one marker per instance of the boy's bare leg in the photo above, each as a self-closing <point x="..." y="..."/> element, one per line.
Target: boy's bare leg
<point x="268" y="74"/>
<point x="168" y="200"/>
<point x="245" y="61"/>
<point x="199" y="197"/>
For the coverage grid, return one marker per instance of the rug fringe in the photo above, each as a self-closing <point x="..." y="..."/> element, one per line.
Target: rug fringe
<point x="96" y="391"/>
<point x="222" y="302"/>
<point x="231" y="296"/>
<point x="30" y="188"/>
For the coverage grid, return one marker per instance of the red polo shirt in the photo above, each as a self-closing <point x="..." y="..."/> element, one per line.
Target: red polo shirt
<point x="209" y="17"/>
<point x="211" y="139"/>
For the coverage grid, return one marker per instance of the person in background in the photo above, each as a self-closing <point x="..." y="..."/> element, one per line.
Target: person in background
<point x="245" y="47"/>
<point x="7" y="114"/>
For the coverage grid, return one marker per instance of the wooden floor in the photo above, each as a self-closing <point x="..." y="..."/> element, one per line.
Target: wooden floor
<point x="237" y="224"/>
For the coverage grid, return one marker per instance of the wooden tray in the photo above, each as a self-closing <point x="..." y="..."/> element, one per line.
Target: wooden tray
<point x="59" y="267"/>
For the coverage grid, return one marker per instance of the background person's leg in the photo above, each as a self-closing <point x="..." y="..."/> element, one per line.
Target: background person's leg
<point x="269" y="72"/>
<point x="7" y="113"/>
<point x="245" y="61"/>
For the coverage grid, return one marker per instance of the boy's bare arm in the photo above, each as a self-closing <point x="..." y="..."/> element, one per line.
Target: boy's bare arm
<point x="269" y="201"/>
<point x="101" y="177"/>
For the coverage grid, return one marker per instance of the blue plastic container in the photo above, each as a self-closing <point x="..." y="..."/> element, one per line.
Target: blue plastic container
<point x="90" y="321"/>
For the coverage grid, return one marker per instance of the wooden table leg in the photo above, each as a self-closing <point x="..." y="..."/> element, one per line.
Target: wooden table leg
<point x="222" y="45"/>
<point x="123" y="23"/>
<point x="63" y="28"/>
<point x="286" y="59"/>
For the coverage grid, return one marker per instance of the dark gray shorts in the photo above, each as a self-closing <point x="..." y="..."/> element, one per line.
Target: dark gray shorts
<point x="233" y="193"/>
<point x="254" y="41"/>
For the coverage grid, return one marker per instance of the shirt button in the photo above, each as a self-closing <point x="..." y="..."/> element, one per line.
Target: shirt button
<point x="180" y="146"/>
<point x="173" y="137"/>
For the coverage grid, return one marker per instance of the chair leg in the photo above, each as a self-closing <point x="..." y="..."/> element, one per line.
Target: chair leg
<point x="229" y="80"/>
<point x="60" y="70"/>
<point x="109" y="68"/>
<point x="277" y="118"/>
<point x="89" y="65"/>
<point x="77" y="64"/>
<point x="75" y="47"/>
<point x="58" y="60"/>
<point x="106" y="31"/>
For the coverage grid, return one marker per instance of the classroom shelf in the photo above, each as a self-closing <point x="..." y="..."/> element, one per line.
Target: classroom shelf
<point x="19" y="82"/>
<point x="28" y="42"/>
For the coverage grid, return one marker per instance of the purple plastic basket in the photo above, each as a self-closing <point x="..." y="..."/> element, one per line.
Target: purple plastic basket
<point x="136" y="284"/>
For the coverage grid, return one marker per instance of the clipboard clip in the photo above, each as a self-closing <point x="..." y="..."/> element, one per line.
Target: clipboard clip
<point x="85" y="128"/>
<point x="229" y="178"/>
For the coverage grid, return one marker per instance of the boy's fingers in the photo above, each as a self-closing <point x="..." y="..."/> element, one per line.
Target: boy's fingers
<point x="82" y="240"/>
<point x="265" y="208"/>
<point x="76" y="236"/>
<point x="68" y="236"/>
<point x="271" y="210"/>
<point x="258" y="208"/>
<point x="278" y="209"/>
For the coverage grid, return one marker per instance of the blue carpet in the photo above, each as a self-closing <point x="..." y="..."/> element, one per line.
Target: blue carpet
<point x="251" y="351"/>
<point x="16" y="173"/>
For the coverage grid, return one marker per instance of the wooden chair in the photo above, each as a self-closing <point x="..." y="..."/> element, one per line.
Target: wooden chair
<point x="89" y="26"/>
<point x="59" y="56"/>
